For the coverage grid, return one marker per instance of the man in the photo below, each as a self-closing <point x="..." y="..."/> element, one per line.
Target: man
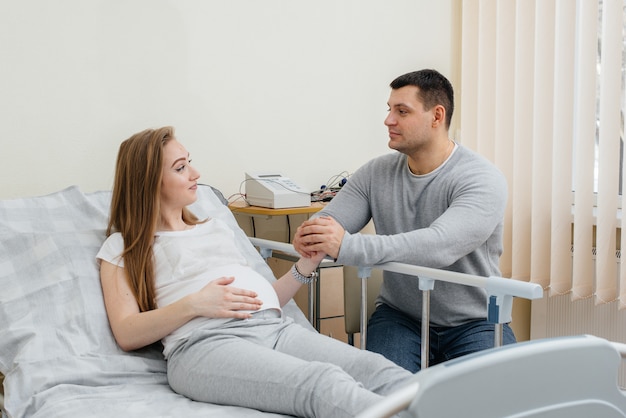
<point x="434" y="203"/>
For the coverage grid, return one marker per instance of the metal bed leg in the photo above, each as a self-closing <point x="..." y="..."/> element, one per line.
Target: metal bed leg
<point x="425" y="352"/>
<point x="425" y="285"/>
<point x="364" y="273"/>
<point x="497" y="335"/>
<point x="314" y="290"/>
<point x="363" y="312"/>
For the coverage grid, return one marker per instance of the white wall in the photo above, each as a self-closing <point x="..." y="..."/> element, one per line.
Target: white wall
<point x="292" y="85"/>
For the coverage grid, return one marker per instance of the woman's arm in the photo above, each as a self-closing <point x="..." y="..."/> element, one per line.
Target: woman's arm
<point x="134" y="329"/>
<point x="287" y="286"/>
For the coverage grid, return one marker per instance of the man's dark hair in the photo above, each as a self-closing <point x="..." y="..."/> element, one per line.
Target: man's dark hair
<point x="434" y="89"/>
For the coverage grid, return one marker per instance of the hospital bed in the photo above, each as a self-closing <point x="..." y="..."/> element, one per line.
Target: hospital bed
<point x="57" y="351"/>
<point x="565" y="377"/>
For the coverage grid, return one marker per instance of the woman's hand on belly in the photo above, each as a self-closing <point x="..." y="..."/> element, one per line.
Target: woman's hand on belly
<point x="219" y="300"/>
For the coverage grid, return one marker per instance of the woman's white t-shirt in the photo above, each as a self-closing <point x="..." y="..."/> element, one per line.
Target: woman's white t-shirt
<point x="186" y="261"/>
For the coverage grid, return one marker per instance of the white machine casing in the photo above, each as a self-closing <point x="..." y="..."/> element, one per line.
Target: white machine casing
<point x="273" y="190"/>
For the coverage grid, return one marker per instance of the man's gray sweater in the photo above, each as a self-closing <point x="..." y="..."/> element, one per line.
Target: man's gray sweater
<point x="451" y="218"/>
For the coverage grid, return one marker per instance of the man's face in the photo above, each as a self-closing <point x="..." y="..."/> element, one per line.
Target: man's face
<point x="408" y="123"/>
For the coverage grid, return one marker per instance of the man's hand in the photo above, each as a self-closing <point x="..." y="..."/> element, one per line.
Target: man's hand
<point x="323" y="234"/>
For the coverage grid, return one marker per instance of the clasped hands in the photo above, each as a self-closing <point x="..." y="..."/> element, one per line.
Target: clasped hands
<point x="313" y="238"/>
<point x="323" y="234"/>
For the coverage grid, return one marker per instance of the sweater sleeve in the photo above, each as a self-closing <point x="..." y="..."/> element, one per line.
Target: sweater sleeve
<point x="351" y="205"/>
<point x="459" y="212"/>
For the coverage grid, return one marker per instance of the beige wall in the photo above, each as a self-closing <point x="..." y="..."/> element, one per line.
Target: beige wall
<point x="289" y="85"/>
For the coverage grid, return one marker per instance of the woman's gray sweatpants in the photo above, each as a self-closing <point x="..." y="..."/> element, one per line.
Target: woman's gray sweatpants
<point x="275" y="365"/>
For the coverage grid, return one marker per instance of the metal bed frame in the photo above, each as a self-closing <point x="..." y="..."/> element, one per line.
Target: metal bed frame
<point x="501" y="291"/>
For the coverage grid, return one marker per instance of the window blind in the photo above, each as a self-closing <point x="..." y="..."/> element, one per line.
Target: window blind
<point x="541" y="96"/>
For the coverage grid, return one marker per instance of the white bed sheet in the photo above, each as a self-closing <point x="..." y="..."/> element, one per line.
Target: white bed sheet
<point x="56" y="348"/>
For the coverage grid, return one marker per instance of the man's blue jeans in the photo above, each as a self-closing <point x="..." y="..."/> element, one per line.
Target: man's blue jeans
<point x="397" y="337"/>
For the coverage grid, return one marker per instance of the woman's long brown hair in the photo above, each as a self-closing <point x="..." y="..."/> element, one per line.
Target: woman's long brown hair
<point x="135" y="207"/>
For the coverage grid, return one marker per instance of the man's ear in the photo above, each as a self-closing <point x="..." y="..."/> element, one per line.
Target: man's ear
<point x="439" y="116"/>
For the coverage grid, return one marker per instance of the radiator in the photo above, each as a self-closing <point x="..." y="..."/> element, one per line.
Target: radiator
<point x="558" y="316"/>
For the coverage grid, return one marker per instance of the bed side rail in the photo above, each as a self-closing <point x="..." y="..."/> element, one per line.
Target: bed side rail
<point x="501" y="291"/>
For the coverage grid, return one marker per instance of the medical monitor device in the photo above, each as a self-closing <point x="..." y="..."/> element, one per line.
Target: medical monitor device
<point x="273" y="190"/>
